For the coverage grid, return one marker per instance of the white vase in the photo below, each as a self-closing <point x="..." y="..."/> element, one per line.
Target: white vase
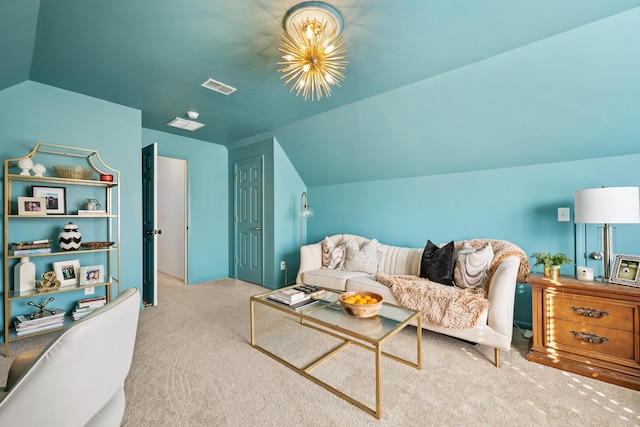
<point x="24" y="275"/>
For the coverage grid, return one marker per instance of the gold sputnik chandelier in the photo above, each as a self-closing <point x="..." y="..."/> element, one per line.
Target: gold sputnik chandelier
<point x="314" y="55"/>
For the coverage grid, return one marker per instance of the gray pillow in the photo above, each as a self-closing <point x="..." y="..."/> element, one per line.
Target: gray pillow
<point x="363" y="259"/>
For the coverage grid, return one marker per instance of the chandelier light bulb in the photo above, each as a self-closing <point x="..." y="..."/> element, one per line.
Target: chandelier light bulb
<point x="329" y="48"/>
<point x="306" y="68"/>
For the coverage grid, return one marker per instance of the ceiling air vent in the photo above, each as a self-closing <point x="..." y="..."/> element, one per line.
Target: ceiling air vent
<point x="185" y="124"/>
<point x="218" y="87"/>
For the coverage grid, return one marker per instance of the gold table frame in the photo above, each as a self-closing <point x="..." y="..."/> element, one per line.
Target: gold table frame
<point x="374" y="344"/>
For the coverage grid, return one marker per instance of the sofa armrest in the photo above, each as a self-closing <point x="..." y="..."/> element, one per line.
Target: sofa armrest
<point x="310" y="259"/>
<point x="502" y="292"/>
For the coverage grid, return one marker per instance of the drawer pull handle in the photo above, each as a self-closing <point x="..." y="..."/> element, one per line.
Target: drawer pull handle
<point x="589" y="312"/>
<point x="591" y="338"/>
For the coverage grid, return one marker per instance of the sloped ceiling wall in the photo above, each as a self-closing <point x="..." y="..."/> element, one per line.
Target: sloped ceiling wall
<point x="433" y="87"/>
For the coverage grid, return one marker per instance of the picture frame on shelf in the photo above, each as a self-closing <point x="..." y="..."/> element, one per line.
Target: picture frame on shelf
<point x="92" y="275"/>
<point x="56" y="198"/>
<point x="32" y="206"/>
<point x="68" y="272"/>
<point x="626" y="270"/>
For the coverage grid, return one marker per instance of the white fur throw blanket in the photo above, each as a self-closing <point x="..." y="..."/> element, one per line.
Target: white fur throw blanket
<point x="445" y="306"/>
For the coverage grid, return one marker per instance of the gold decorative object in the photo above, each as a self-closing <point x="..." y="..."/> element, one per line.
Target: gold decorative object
<point x="73" y="172"/>
<point x="313" y="50"/>
<point x="41" y="309"/>
<point x="48" y="282"/>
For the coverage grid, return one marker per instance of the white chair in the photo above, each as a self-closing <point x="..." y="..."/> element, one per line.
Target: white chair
<point x="78" y="379"/>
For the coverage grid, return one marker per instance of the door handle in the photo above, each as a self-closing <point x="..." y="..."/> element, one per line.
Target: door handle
<point x="152" y="232"/>
<point x="258" y="228"/>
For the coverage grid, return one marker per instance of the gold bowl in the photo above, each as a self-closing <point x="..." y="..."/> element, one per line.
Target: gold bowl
<point x="360" y="310"/>
<point x="73" y="172"/>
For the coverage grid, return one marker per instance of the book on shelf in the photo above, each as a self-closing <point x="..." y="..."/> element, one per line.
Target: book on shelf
<point x="24" y="325"/>
<point x="44" y="318"/>
<point x="297" y="306"/>
<point x="91" y="212"/>
<point x="26" y="252"/>
<point x="20" y="333"/>
<point x="80" y="312"/>
<point x="92" y="302"/>
<point x="20" y="246"/>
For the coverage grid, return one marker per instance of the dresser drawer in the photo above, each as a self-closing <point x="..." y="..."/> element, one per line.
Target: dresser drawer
<point x="571" y="336"/>
<point x="591" y="311"/>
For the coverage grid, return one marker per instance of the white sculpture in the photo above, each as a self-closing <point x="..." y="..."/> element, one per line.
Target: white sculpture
<point x="25" y="164"/>
<point x="38" y="169"/>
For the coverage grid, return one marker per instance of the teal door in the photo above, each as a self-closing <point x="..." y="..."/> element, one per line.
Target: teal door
<point x="248" y="220"/>
<point x="149" y="225"/>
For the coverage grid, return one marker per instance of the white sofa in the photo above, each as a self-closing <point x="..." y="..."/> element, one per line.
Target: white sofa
<point x="495" y="327"/>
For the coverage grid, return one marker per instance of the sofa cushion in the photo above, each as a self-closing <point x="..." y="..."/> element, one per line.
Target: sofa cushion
<point x="438" y="263"/>
<point x="472" y="266"/>
<point x="369" y="284"/>
<point x="331" y="279"/>
<point x="332" y="254"/>
<point x="364" y="259"/>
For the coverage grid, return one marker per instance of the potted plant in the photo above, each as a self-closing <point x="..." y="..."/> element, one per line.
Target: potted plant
<point x="551" y="263"/>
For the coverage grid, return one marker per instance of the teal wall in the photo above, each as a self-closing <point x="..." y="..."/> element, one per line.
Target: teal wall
<point x="31" y="112"/>
<point x="208" y="232"/>
<point x="516" y="204"/>
<point x="288" y="188"/>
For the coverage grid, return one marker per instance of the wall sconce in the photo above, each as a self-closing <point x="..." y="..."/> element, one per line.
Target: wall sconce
<point x="607" y="205"/>
<point x="305" y="212"/>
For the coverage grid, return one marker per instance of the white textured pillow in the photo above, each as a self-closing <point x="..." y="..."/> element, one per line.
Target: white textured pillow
<point x="332" y="255"/>
<point x="363" y="259"/>
<point x="472" y="266"/>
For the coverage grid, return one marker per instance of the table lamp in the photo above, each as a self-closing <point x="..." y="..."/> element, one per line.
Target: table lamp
<point x="607" y="205"/>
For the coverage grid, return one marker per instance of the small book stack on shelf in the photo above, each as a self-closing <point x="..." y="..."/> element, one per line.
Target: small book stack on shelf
<point x="86" y="306"/>
<point x="48" y="320"/>
<point x="30" y="248"/>
<point x="90" y="212"/>
<point x="293" y="298"/>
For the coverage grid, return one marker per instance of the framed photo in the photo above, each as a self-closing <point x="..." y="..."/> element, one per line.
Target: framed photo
<point x="68" y="272"/>
<point x="55" y="197"/>
<point x="92" y="275"/>
<point x="625" y="270"/>
<point x="32" y="206"/>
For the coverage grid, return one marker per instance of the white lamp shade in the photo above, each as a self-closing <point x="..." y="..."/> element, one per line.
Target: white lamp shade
<point x="607" y="205"/>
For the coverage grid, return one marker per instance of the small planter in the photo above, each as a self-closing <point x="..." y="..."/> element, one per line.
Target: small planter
<point x="553" y="272"/>
<point x="551" y="263"/>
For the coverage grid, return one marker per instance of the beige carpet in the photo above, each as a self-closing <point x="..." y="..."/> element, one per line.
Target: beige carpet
<point x="193" y="366"/>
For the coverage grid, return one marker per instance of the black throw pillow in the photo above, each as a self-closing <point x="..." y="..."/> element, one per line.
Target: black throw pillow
<point x="437" y="264"/>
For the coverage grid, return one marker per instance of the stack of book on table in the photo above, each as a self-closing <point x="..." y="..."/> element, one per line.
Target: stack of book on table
<point x="25" y="325"/>
<point x="30" y="248"/>
<point x="86" y="306"/>
<point x="293" y="298"/>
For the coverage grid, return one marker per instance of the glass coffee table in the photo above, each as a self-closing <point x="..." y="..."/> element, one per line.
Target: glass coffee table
<point x="369" y="333"/>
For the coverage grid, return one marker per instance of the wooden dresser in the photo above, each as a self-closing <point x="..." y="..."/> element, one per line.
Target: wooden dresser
<point x="588" y="328"/>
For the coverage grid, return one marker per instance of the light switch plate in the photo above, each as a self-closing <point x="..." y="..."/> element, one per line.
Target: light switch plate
<point x="563" y="214"/>
<point x="89" y="291"/>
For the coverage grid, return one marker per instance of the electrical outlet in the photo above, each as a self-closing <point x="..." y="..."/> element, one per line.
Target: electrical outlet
<point x="89" y="291"/>
<point x="283" y="265"/>
<point x="563" y="214"/>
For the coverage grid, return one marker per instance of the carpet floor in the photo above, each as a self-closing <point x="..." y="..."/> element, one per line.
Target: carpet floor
<point x="193" y="365"/>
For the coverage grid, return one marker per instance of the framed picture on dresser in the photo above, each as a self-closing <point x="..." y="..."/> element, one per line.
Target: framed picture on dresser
<point x="625" y="270"/>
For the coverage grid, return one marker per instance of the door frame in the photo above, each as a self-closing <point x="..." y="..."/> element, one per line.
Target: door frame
<point x="185" y="205"/>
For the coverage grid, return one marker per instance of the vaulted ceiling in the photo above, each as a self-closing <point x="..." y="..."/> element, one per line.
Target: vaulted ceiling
<point x="517" y="66"/>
